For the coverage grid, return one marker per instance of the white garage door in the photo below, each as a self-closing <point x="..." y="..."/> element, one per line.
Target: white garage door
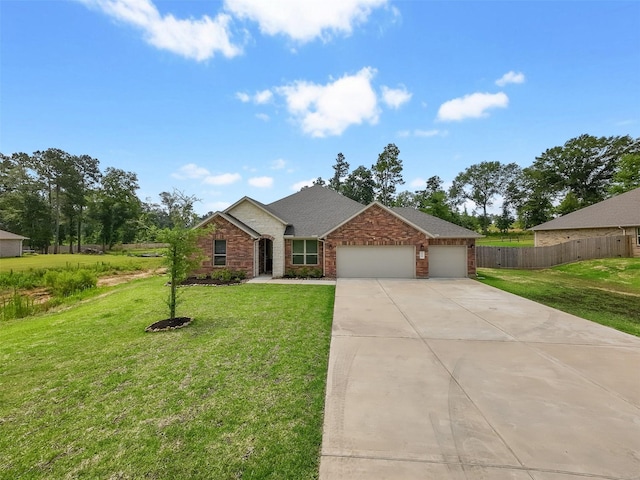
<point x="376" y="262"/>
<point x="447" y="261"/>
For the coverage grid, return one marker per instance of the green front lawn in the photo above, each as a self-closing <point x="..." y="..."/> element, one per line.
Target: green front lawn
<point x="606" y="291"/>
<point x="86" y="393"/>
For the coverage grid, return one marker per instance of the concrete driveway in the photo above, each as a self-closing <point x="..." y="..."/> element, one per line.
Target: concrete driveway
<point x="452" y="379"/>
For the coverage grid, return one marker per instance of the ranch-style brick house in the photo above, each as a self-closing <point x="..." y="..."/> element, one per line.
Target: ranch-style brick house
<point x="321" y="230"/>
<point x="619" y="215"/>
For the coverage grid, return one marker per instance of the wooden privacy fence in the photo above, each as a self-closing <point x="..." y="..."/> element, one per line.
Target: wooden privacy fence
<point x="544" y="257"/>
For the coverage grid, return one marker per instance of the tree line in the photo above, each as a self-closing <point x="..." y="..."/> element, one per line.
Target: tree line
<point x="584" y="171"/>
<point x="56" y="198"/>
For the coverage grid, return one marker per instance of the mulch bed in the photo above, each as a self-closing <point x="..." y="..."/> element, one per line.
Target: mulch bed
<point x="168" y="324"/>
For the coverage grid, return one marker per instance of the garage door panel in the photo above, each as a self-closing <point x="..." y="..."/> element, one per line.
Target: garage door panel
<point x="375" y="261"/>
<point x="447" y="261"/>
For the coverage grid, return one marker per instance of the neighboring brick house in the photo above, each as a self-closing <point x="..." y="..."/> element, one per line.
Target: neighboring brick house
<point x="619" y="215"/>
<point x="322" y="231"/>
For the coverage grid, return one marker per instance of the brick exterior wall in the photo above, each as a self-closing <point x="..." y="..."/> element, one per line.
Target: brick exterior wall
<point x="376" y="226"/>
<point x="240" y="248"/>
<point x="288" y="257"/>
<point x="470" y="243"/>
<point x="269" y="227"/>
<point x="545" y="238"/>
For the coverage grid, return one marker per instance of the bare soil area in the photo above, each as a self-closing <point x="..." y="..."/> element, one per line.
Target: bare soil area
<point x="111" y="280"/>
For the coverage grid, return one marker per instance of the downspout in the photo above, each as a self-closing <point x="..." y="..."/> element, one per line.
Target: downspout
<point x="256" y="259"/>
<point x="324" y="253"/>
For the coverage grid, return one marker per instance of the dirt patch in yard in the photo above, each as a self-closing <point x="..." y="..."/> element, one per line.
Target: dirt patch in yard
<point x="111" y="280"/>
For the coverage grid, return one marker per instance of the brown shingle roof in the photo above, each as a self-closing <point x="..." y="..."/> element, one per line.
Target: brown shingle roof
<point x="620" y="211"/>
<point x="434" y="225"/>
<point x="314" y="210"/>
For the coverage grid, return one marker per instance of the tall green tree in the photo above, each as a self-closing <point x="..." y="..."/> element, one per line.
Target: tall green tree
<point x="405" y="199"/>
<point x="627" y="175"/>
<point x="534" y="202"/>
<point x="433" y="199"/>
<point x="360" y="185"/>
<point x="81" y="178"/>
<point x="584" y="166"/>
<point x="340" y="172"/>
<point x="115" y="206"/>
<point x="23" y="206"/>
<point x="482" y="183"/>
<point x="56" y="170"/>
<point x="387" y="173"/>
<point x="179" y="207"/>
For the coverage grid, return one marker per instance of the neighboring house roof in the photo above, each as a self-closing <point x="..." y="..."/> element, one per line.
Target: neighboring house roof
<point x="434" y="226"/>
<point x="4" y="235"/>
<point x="620" y="211"/>
<point x="313" y="211"/>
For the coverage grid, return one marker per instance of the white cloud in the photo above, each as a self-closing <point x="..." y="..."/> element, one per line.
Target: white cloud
<point x="510" y="77"/>
<point x="263" y="97"/>
<point x="197" y="39"/>
<point x="395" y="97"/>
<point x="430" y="133"/>
<point x="304" y="21"/>
<point x="261" y="182"/>
<point x="330" y="109"/>
<point x="474" y="105"/>
<point x="223" y="179"/>
<point x="278" y="164"/>
<point x="190" y="170"/>
<point x="259" y="98"/>
<point x="262" y="116"/>
<point x="422" y="133"/>
<point x="303" y="183"/>
<point x="418" y="182"/>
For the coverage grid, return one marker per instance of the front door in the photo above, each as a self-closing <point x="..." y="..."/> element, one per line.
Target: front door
<point x="265" y="257"/>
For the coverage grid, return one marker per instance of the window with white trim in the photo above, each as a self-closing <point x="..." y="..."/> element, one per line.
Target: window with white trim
<point x="220" y="252"/>
<point x="638" y="236"/>
<point x="305" y="252"/>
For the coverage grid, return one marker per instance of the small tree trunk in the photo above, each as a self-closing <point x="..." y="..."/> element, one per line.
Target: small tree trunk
<point x="79" y="229"/>
<point x="172" y="299"/>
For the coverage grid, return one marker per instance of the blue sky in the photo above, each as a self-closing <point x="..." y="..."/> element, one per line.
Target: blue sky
<point x="222" y="99"/>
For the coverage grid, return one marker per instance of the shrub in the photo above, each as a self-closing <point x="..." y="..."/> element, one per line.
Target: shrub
<point x="22" y="280"/>
<point x="17" y="306"/>
<point x="315" y="273"/>
<point x="228" y="276"/>
<point x="68" y="282"/>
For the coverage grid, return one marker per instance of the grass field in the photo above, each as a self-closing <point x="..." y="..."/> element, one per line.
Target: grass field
<point x="35" y="262"/>
<point x="606" y="291"/>
<point x="86" y="393"/>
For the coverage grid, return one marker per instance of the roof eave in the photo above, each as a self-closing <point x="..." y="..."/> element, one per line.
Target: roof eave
<point x="257" y="205"/>
<point x="365" y="208"/>
<point x="229" y="218"/>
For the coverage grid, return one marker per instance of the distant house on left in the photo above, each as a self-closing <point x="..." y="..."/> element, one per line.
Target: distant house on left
<point x="11" y="244"/>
